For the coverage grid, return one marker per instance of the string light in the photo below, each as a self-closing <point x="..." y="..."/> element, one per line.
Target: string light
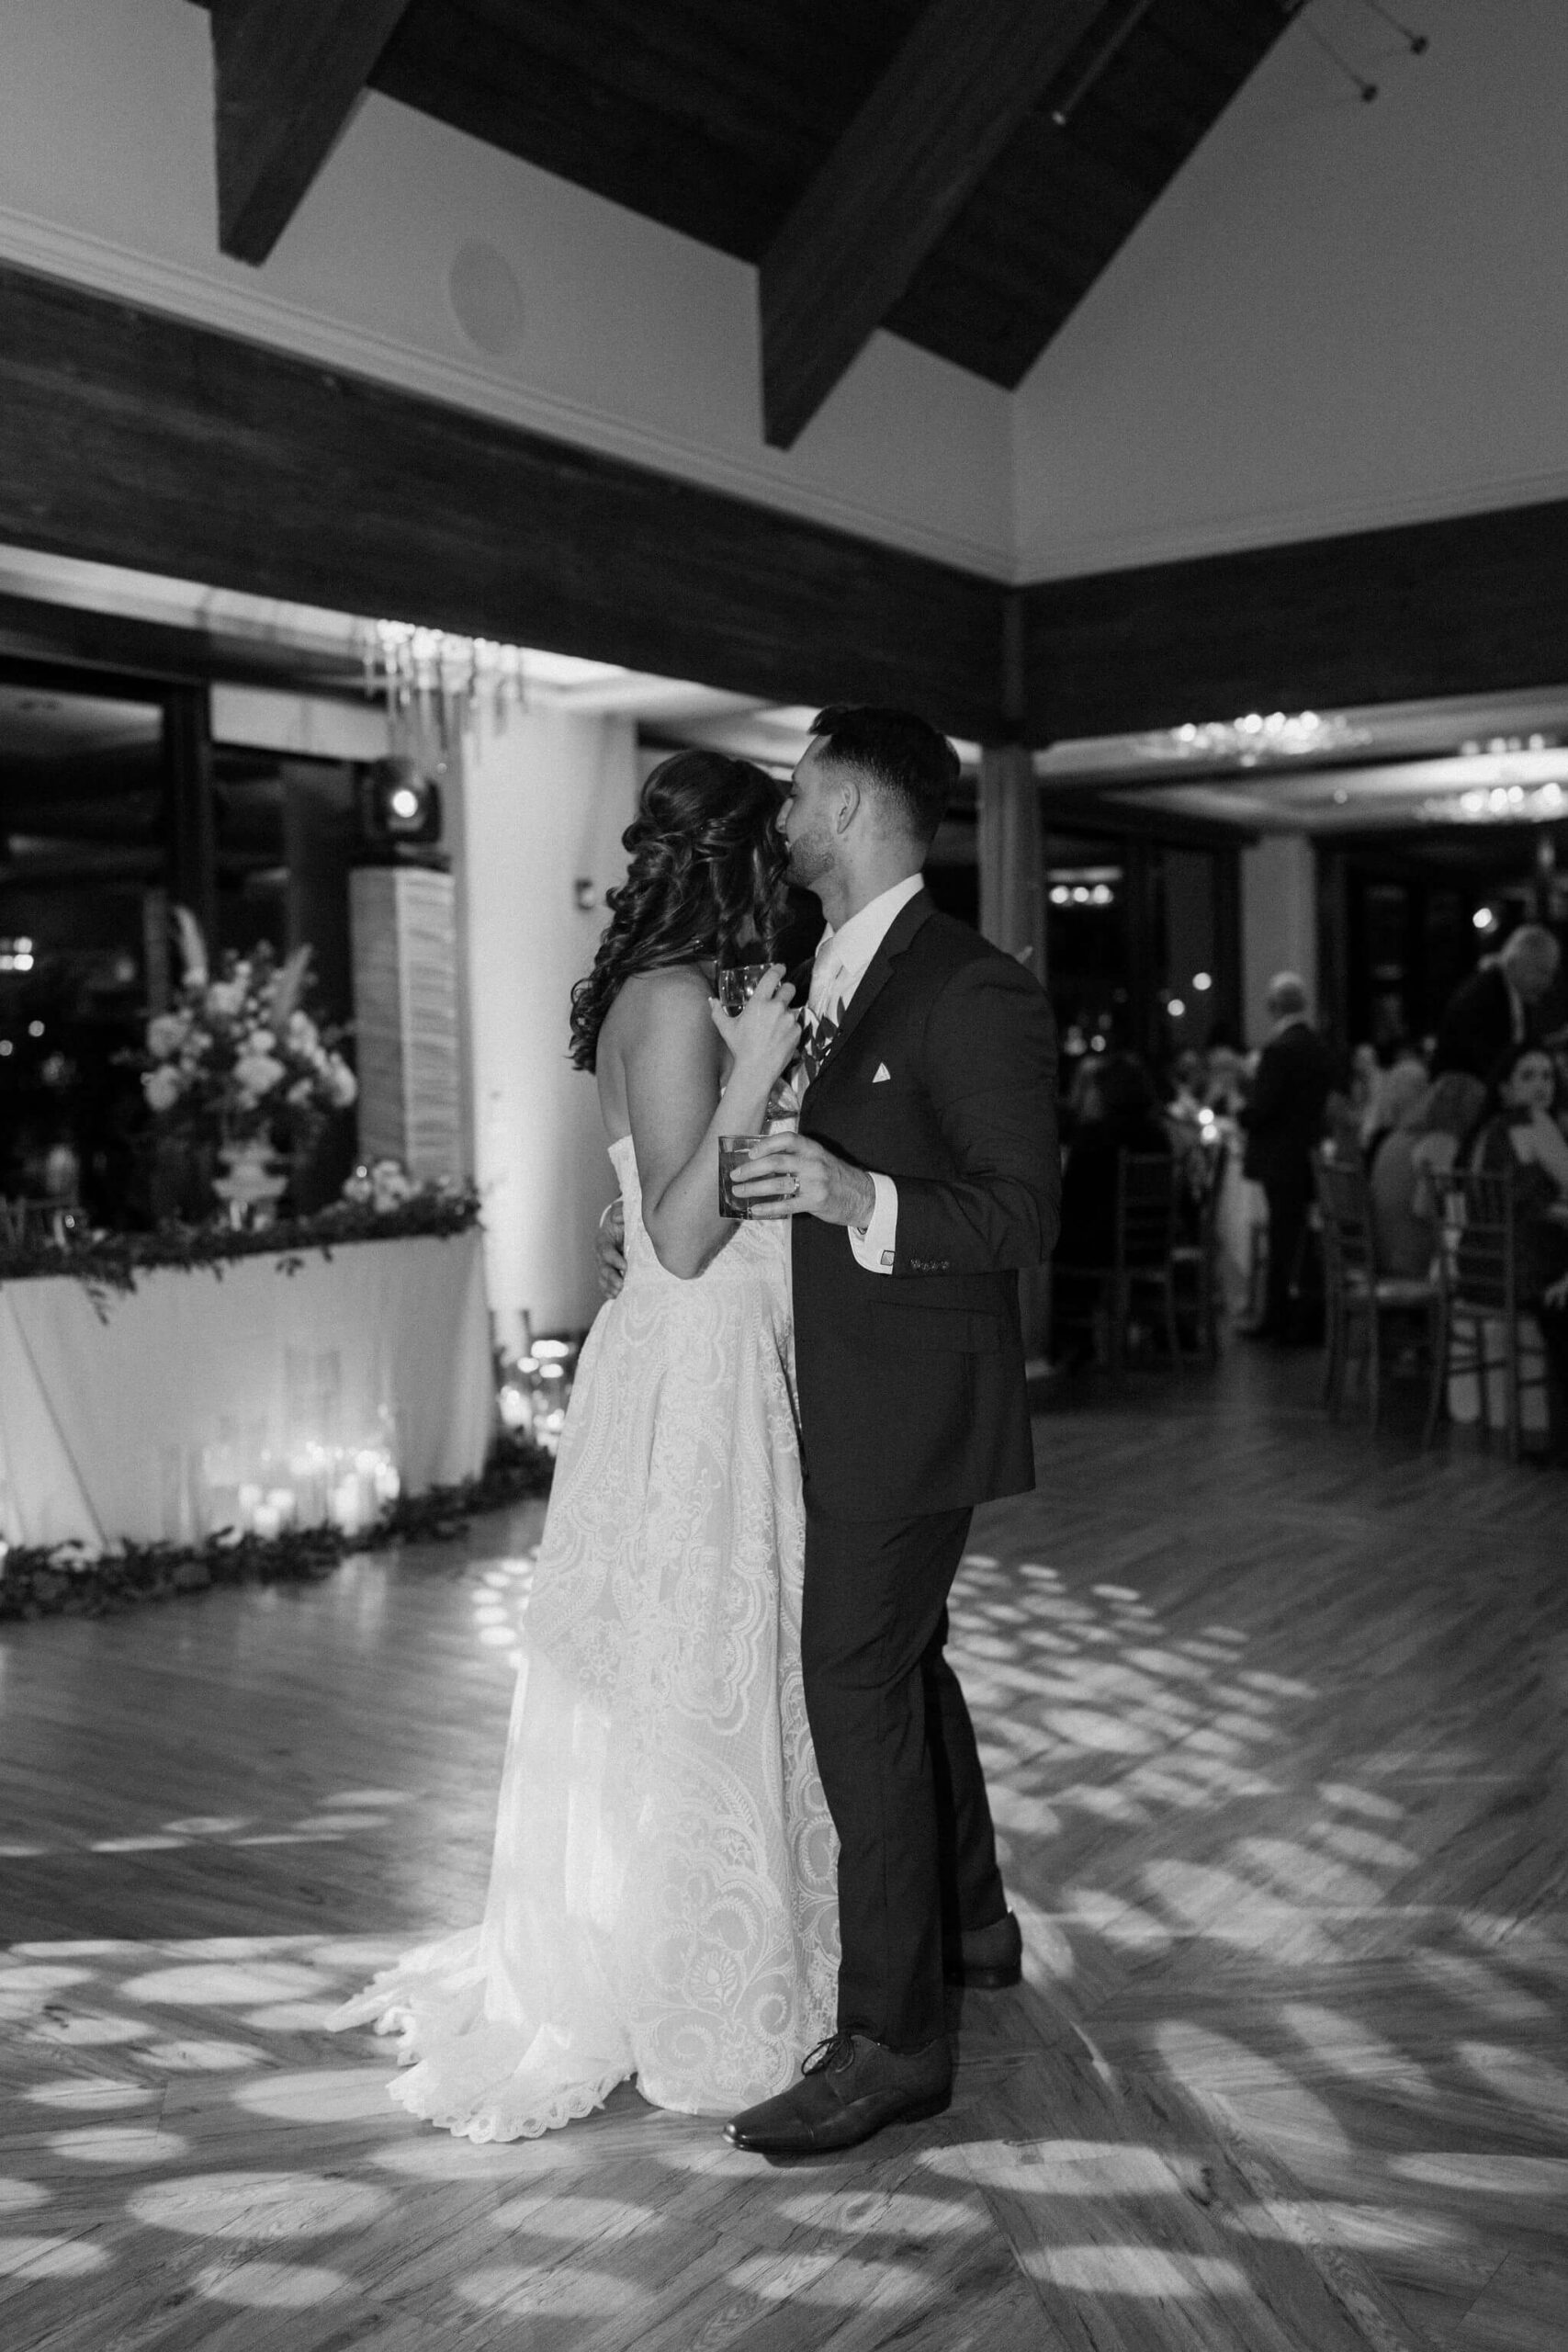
<point x="1417" y="43"/>
<point x="1368" y="90"/>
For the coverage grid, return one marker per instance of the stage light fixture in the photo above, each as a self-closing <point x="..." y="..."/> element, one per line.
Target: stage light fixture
<point x="400" y="807"/>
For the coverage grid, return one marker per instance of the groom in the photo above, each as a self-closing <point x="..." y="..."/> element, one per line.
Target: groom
<point x="924" y="1176"/>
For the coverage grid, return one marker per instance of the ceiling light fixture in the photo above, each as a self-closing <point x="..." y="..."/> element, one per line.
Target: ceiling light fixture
<point x="1501" y="804"/>
<point x="1256" y="737"/>
<point x="432" y="673"/>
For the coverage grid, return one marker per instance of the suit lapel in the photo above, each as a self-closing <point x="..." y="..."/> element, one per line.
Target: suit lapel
<point x="875" y="978"/>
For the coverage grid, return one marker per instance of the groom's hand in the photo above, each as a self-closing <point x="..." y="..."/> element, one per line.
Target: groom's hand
<point x="789" y="1175"/>
<point x="610" y="1250"/>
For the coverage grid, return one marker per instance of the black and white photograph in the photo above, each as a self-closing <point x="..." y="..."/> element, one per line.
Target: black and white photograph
<point x="784" y="1176"/>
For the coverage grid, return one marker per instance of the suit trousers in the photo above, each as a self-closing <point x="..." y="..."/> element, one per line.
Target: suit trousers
<point x="896" y="1750"/>
<point x="1290" y="1198"/>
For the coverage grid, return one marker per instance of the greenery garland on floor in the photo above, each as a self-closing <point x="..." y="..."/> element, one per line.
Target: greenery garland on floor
<point x="111" y="1262"/>
<point x="36" y="1580"/>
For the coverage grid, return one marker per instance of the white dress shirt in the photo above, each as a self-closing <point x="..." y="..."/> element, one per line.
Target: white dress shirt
<point x="842" y="957"/>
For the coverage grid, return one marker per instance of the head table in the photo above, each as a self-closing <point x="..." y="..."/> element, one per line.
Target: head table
<point x="271" y="1392"/>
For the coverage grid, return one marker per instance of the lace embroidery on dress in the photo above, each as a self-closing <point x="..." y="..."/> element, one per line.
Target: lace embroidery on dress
<point x="661" y="1900"/>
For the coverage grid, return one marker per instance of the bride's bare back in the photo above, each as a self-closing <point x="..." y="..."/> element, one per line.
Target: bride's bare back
<point x="674" y="1082"/>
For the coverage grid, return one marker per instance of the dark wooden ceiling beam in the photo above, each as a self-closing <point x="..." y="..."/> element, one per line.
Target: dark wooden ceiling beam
<point x="1468" y="605"/>
<point x="139" y="439"/>
<point x="288" y="74"/>
<point x="957" y="90"/>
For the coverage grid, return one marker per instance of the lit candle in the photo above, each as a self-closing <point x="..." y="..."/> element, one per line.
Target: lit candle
<point x="347" y="1504"/>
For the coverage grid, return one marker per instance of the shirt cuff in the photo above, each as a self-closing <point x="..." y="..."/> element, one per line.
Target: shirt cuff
<point x="874" y="1248"/>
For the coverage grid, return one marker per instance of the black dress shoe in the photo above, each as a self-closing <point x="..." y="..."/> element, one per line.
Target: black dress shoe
<point x="988" y="1959"/>
<point x="850" y="2087"/>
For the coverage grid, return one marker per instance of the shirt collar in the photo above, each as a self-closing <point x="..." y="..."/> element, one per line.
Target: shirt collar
<point x="853" y="945"/>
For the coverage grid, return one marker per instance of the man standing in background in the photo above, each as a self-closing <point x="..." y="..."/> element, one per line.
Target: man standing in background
<point x="1283" y="1122"/>
<point x="1499" y="1004"/>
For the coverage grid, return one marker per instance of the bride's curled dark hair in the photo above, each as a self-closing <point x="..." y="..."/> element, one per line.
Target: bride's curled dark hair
<point x="708" y="867"/>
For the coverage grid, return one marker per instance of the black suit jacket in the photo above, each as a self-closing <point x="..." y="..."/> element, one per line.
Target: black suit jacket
<point x="1283" y="1115"/>
<point x="1477" y="1026"/>
<point x="911" y="1383"/>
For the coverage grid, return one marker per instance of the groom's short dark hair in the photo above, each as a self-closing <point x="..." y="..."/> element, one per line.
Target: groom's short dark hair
<point x="905" y="757"/>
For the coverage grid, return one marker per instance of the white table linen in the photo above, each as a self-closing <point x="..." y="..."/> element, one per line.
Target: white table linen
<point x="120" y="1428"/>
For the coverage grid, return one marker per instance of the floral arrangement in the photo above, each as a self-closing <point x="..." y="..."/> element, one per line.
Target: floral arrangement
<point x="385" y="1185"/>
<point x="238" y="1054"/>
<point x="108" y="1262"/>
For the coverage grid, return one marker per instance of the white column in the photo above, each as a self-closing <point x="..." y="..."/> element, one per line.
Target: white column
<point x="545" y="801"/>
<point x="1279" y="921"/>
<point x="1012" y="886"/>
<point x="1012" y="916"/>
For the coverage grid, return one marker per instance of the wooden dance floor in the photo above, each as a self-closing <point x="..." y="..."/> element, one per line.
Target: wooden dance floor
<point x="1274" y="1714"/>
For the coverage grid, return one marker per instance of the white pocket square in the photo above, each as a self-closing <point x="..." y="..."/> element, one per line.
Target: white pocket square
<point x="884" y="1074"/>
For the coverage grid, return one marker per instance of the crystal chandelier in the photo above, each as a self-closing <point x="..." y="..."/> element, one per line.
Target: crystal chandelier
<point x="1257" y="737"/>
<point x="433" y="675"/>
<point x="1499" y="803"/>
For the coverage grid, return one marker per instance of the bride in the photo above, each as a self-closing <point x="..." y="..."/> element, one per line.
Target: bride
<point x="661" y="1897"/>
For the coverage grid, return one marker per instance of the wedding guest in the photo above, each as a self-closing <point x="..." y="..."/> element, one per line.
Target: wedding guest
<point x="1283" y="1122"/>
<point x="1082" y="1096"/>
<point x="1189" y="1083"/>
<point x="1522" y="1136"/>
<point x="1499" y="1005"/>
<point x="1193" y="1133"/>
<point x="1408" y="1174"/>
<point x="1118" y="1112"/>
<point x="1396" y="1089"/>
<point x="1226" y="1087"/>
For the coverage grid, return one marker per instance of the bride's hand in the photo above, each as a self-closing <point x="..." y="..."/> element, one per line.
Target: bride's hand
<point x="764" y="1036"/>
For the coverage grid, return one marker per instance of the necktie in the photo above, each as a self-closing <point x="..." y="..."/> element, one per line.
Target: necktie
<point x="824" y="1010"/>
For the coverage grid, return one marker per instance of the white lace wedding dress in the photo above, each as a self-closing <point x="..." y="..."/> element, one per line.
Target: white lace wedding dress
<point x="661" y="1898"/>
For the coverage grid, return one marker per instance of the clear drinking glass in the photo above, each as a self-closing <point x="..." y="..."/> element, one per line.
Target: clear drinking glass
<point x="733" y="1153"/>
<point x="736" y="984"/>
